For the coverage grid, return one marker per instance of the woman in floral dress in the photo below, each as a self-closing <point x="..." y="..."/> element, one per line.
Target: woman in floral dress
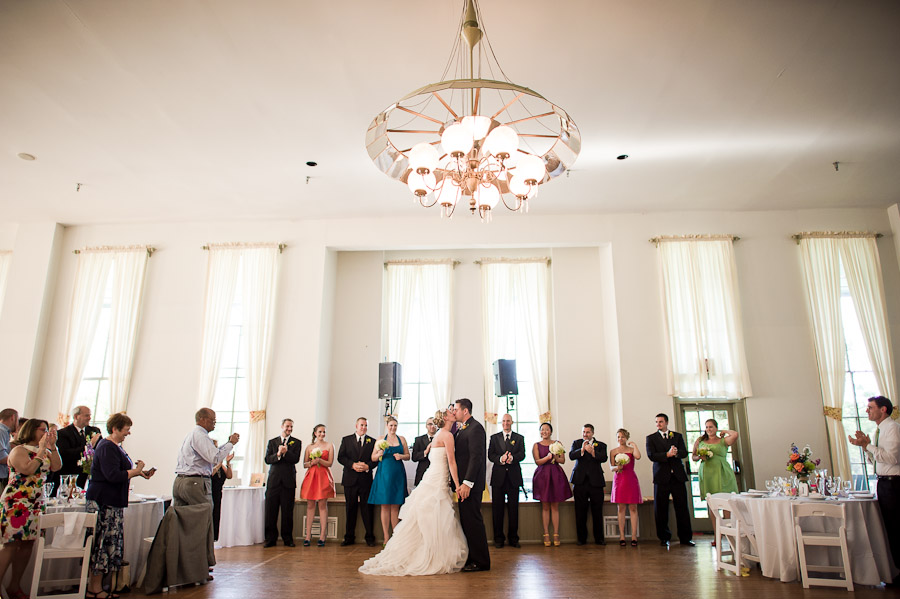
<point x="22" y="501"/>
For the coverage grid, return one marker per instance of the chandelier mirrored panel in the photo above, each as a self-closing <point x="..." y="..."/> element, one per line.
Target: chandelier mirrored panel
<point x="473" y="140"/>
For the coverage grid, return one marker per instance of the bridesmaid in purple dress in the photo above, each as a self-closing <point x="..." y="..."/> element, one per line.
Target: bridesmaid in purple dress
<point x="626" y="489"/>
<point x="549" y="482"/>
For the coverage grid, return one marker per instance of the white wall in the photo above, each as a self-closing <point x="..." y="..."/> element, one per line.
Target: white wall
<point x="607" y="315"/>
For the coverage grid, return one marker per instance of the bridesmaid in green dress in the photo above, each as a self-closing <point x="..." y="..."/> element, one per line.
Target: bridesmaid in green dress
<point x="716" y="475"/>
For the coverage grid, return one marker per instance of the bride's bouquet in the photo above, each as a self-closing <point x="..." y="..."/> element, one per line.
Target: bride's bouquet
<point x="382" y="445"/>
<point x="557" y="449"/>
<point x="705" y="453"/>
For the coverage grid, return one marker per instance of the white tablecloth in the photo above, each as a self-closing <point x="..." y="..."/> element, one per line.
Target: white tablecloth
<point x="870" y="556"/>
<point x="243" y="516"/>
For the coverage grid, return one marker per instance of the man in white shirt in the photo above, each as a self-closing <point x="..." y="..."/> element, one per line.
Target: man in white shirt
<point x="884" y="453"/>
<point x="196" y="459"/>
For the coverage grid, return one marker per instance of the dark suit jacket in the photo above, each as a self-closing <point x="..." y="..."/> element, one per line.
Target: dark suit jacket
<point x="71" y="447"/>
<point x="471" y="442"/>
<point x="350" y="453"/>
<point x="666" y="469"/>
<point x="588" y="468"/>
<point x="283" y="472"/>
<point x="418" y="455"/>
<point x="498" y="446"/>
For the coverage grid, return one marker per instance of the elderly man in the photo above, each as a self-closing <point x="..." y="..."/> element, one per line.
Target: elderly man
<point x="884" y="454"/>
<point x="506" y="450"/>
<point x="71" y="442"/>
<point x="421" y="449"/>
<point x="196" y="459"/>
<point x="9" y="422"/>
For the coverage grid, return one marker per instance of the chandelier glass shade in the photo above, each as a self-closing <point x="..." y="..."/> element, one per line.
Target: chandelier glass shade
<point x="472" y="140"/>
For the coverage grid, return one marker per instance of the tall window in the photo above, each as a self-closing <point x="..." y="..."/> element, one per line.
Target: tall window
<point x="417" y="404"/>
<point x="230" y="399"/>
<point x="859" y="386"/>
<point x="94" y="390"/>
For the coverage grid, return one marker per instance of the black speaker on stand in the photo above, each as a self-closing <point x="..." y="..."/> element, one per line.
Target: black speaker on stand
<point x="505" y="382"/>
<point x="390" y="385"/>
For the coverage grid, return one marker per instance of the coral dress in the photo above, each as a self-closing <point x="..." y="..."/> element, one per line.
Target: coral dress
<point x="318" y="482"/>
<point x="626" y="488"/>
<point x="549" y="480"/>
<point x="716" y="474"/>
<point x="22" y="502"/>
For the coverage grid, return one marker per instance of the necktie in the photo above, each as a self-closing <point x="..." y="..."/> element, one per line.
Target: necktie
<point x="430" y="439"/>
<point x="360" y="442"/>
<point x="81" y="432"/>
<point x="874" y="461"/>
<point x="507" y="437"/>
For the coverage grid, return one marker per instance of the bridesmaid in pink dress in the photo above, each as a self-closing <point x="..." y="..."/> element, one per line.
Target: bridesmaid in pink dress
<point x="626" y="489"/>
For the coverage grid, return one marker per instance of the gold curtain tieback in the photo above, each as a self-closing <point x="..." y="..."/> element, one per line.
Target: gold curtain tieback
<point x="62" y="418"/>
<point x="490" y="417"/>
<point x="835" y="413"/>
<point x="545" y="417"/>
<point x="257" y="416"/>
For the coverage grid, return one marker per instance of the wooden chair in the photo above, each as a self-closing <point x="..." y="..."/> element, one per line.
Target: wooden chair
<point x="44" y="552"/>
<point x="822" y="539"/>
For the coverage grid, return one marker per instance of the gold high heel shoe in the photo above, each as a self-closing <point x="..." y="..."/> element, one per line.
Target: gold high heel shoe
<point x="546" y="540"/>
<point x="556" y="542"/>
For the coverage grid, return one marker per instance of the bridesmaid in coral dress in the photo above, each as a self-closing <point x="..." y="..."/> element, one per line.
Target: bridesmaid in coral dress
<point x="626" y="489"/>
<point x="318" y="484"/>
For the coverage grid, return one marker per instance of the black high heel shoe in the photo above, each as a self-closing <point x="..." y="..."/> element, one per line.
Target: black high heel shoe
<point x="621" y="542"/>
<point x="634" y="543"/>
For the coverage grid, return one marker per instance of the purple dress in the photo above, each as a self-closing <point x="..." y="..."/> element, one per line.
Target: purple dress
<point x="626" y="488"/>
<point x="549" y="480"/>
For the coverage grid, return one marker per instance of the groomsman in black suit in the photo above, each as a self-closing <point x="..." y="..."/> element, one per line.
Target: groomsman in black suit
<point x="588" y="484"/>
<point x="421" y="449"/>
<point x="506" y="451"/>
<point x="282" y="456"/>
<point x="355" y="455"/>
<point x="470" y="449"/>
<point x="667" y="451"/>
<point x="71" y="441"/>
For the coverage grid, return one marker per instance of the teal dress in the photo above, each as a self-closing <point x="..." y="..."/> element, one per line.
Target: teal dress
<point x="389" y="486"/>
<point x="716" y="475"/>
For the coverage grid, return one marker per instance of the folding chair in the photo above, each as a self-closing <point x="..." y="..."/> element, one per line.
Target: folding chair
<point x="822" y="539"/>
<point x="45" y="552"/>
<point x="728" y="528"/>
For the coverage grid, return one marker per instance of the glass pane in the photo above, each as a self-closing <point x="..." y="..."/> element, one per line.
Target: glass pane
<point x="231" y="348"/>
<point x="849" y="403"/>
<point x="692" y="420"/>
<point x="409" y="431"/>
<point x="94" y="366"/>
<point x="87" y="393"/>
<point x="101" y="412"/>
<point x="865" y="386"/>
<point x="426" y="402"/>
<point x="721" y="416"/>
<point x="526" y="405"/>
<point x="224" y="396"/>
<point x="240" y="396"/>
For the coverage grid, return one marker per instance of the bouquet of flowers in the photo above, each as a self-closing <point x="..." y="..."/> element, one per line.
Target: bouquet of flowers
<point x="87" y="458"/>
<point x="315" y="453"/>
<point x="382" y="445"/>
<point x="557" y="449"/>
<point x="705" y="453"/>
<point x="801" y="462"/>
<point x="622" y="459"/>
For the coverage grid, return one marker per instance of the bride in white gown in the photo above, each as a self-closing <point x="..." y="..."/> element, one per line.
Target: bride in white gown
<point x="429" y="538"/>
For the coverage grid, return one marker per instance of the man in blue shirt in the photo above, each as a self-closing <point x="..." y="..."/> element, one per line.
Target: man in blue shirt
<point x="9" y="422"/>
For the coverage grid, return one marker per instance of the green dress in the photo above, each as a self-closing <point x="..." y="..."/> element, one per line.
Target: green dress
<point x="716" y="476"/>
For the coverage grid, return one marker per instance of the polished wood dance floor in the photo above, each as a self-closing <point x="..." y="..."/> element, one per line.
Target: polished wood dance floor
<point x="534" y="571"/>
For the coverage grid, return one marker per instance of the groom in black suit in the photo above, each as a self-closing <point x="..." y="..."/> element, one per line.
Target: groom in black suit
<point x="470" y="449"/>
<point x="667" y="451"/>
<point x="355" y="455"/>
<point x="282" y="456"/>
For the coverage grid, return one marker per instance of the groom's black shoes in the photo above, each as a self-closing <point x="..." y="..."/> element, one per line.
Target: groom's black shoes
<point x="346" y="542"/>
<point x="498" y="544"/>
<point x="515" y="544"/>
<point x="474" y="568"/>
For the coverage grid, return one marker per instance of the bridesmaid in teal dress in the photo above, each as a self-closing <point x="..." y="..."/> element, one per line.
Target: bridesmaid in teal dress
<point x="389" y="485"/>
<point x="716" y="475"/>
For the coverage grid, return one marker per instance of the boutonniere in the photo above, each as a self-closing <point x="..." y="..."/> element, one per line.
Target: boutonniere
<point x="291" y="442"/>
<point x="596" y="444"/>
<point x="463" y="426"/>
<point x="670" y="434"/>
<point x="512" y="442"/>
<point x="368" y="440"/>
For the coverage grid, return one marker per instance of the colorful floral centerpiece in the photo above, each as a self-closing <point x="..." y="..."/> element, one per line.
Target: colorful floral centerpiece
<point x="801" y="462"/>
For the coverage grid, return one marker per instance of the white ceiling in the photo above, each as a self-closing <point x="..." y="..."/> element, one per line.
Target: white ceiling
<point x="202" y="110"/>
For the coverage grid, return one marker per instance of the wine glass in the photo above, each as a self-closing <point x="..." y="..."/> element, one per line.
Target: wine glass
<point x="847" y="487"/>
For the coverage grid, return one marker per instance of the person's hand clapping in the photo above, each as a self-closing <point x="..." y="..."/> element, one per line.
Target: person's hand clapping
<point x="95" y="438"/>
<point x="234" y="438"/>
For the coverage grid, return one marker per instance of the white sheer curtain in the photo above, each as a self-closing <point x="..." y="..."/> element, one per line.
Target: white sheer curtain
<point x="5" y="263"/>
<point x="258" y="268"/>
<point x="91" y="277"/>
<point x="821" y="260"/>
<point x="423" y="291"/>
<point x="514" y="298"/>
<point x="862" y="268"/>
<point x="128" y="275"/>
<point x="260" y="288"/>
<point x="702" y="312"/>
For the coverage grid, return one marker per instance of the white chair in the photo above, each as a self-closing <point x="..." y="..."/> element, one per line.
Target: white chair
<point x="43" y="552"/>
<point x="822" y="539"/>
<point x="728" y="528"/>
<point x="746" y="531"/>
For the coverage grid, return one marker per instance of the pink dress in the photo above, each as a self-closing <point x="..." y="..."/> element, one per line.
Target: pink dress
<point x="626" y="488"/>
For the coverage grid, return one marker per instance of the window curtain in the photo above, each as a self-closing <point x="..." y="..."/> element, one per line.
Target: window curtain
<point x="126" y="267"/>
<point x="862" y="268"/>
<point x="258" y="267"/>
<point x="702" y="313"/>
<point x="5" y="263"/>
<point x="423" y="291"/>
<point x="514" y="300"/>
<point x="821" y="260"/>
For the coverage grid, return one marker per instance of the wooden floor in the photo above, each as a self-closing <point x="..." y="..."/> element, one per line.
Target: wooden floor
<point x="532" y="571"/>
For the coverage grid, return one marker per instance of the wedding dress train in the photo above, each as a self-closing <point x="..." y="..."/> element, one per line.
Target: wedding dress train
<point x="429" y="538"/>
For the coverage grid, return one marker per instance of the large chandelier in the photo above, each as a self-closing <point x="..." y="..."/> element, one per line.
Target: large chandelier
<point x="471" y="139"/>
